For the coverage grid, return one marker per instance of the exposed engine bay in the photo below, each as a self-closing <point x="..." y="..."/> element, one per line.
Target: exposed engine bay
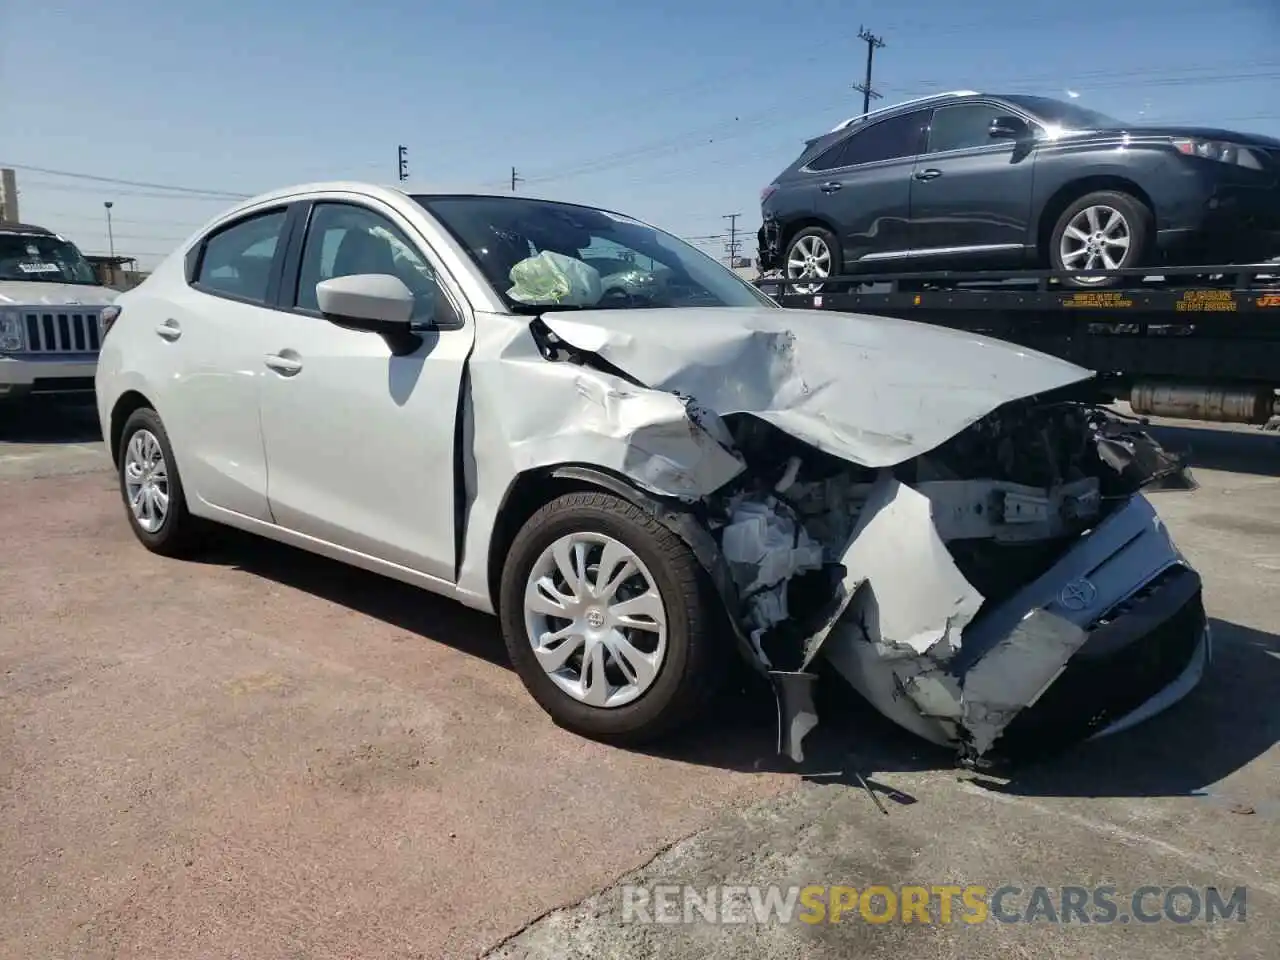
<point x="1005" y="498"/>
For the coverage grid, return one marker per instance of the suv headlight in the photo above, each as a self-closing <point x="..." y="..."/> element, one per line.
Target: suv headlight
<point x="11" y="338"/>
<point x="1219" y="150"/>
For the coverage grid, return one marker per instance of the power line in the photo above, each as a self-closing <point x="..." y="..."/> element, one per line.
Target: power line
<point x="141" y="194"/>
<point x="868" y="93"/>
<point x="220" y="194"/>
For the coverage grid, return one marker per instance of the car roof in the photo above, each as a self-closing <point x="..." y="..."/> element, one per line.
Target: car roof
<point x="28" y="228"/>
<point x="371" y="188"/>
<point x="895" y="107"/>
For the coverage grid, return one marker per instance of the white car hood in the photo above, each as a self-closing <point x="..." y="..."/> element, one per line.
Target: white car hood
<point x="871" y="390"/>
<point x="55" y="294"/>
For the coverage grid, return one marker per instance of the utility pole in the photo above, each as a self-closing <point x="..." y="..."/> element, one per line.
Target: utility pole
<point x="515" y="178"/>
<point x="732" y="246"/>
<point x="111" y="240"/>
<point x="404" y="163"/>
<point x="9" y="198"/>
<point x="865" y="88"/>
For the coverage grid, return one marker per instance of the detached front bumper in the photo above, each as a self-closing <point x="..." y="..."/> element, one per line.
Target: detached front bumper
<point x="64" y="375"/>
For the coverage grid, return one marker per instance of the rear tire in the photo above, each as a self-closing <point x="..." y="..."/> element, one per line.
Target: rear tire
<point x="151" y="488"/>
<point x="812" y="252"/>
<point x="1103" y="230"/>
<point x="679" y="668"/>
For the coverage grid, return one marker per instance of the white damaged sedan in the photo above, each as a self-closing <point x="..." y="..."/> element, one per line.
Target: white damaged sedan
<point x="578" y="422"/>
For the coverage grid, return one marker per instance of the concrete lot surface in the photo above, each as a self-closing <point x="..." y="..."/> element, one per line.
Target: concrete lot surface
<point x="269" y="755"/>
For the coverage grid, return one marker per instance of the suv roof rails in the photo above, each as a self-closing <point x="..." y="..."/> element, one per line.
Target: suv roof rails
<point x="933" y="96"/>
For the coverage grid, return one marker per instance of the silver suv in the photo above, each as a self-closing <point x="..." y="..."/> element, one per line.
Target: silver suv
<point x="51" y="315"/>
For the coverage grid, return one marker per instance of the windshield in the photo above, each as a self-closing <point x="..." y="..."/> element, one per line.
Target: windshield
<point x="541" y="255"/>
<point x="1065" y="114"/>
<point x="39" y="256"/>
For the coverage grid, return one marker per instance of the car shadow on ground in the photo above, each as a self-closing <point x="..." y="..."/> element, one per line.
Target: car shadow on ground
<point x="1228" y="721"/>
<point x="48" y="423"/>
<point x="1246" y="450"/>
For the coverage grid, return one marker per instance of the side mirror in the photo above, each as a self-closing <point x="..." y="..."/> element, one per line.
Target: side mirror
<point x="1007" y="128"/>
<point x="377" y="302"/>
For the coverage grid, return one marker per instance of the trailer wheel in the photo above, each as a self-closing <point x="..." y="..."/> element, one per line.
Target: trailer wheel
<point x="1105" y="230"/>
<point x="813" y="252"/>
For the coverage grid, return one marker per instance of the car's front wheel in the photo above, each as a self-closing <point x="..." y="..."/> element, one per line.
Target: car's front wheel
<point x="813" y="254"/>
<point x="607" y="619"/>
<point x="1106" y="230"/>
<point x="151" y="487"/>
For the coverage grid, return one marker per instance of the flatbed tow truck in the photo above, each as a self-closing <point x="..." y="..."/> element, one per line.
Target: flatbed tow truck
<point x="1195" y="343"/>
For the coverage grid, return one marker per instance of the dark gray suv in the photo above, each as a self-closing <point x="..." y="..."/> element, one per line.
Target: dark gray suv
<point x="966" y="180"/>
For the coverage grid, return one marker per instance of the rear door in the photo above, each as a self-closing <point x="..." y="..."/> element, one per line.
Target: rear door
<point x="205" y="342"/>
<point x="970" y="194"/>
<point x="863" y="186"/>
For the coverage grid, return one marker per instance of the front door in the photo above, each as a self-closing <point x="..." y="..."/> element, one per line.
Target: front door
<point x="360" y="442"/>
<point x="970" y="194"/>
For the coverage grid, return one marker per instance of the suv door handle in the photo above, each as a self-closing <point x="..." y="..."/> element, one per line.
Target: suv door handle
<point x="169" y="330"/>
<point x="285" y="366"/>
<point x="932" y="173"/>
<point x="831" y="186"/>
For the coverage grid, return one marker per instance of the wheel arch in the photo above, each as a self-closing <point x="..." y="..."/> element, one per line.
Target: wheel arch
<point x="533" y="489"/>
<point x="1072" y="191"/>
<point x="125" y="406"/>
<point x="800" y="223"/>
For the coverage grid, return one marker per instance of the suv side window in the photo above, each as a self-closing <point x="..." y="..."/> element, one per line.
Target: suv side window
<point x="236" y="261"/>
<point x="963" y="125"/>
<point x="344" y="239"/>
<point x="889" y="139"/>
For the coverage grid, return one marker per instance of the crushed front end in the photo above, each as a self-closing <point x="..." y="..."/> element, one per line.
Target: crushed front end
<point x="1010" y="593"/>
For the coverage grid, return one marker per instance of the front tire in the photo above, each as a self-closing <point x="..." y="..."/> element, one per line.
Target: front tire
<point x="814" y="254"/>
<point x="152" y="488"/>
<point x="1104" y="230"/>
<point x="607" y="618"/>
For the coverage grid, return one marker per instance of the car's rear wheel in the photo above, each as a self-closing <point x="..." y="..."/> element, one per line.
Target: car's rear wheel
<point x="1105" y="230"/>
<point x="152" y="488"/>
<point x="813" y="254"/>
<point x="607" y="619"/>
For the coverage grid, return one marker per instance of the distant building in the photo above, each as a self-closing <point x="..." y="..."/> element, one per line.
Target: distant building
<point x="119" y="273"/>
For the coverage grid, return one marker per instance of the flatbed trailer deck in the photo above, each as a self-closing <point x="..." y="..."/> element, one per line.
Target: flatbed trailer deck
<point x="1198" y="342"/>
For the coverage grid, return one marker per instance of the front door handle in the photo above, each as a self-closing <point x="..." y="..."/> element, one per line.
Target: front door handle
<point x="285" y="366"/>
<point x="169" y="330"/>
<point x="932" y="173"/>
<point x="831" y="186"/>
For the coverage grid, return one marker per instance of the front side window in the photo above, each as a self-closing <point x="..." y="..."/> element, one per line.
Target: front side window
<point x="42" y="257"/>
<point x="963" y="126"/>
<point x="890" y="139"/>
<point x="344" y="240"/>
<point x="237" y="260"/>
<point x="610" y="261"/>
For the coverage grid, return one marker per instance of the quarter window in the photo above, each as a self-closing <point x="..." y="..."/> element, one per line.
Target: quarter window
<point x="962" y="126"/>
<point x="237" y="260"/>
<point x="344" y="240"/>
<point x="890" y="139"/>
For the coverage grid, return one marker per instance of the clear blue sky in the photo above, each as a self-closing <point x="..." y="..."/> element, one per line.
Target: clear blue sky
<point x="677" y="111"/>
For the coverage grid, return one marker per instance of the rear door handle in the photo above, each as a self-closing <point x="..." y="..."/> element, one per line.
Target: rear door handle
<point x="831" y="186"/>
<point x="285" y="366"/>
<point x="932" y="173"/>
<point x="169" y="330"/>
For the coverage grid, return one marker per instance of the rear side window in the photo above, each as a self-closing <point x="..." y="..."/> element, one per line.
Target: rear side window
<point x="889" y="139"/>
<point x="962" y="126"/>
<point x="237" y="260"/>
